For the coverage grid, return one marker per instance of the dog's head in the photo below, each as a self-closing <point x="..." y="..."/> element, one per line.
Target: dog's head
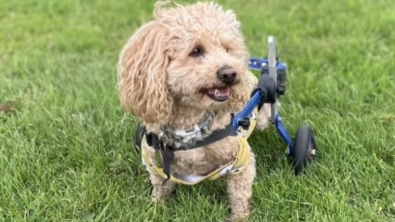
<point x="190" y="56"/>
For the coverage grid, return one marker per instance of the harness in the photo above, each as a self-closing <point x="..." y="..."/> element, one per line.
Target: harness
<point x="170" y="141"/>
<point x="160" y="165"/>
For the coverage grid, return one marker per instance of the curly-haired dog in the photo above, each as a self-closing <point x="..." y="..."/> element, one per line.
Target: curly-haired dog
<point x="183" y="75"/>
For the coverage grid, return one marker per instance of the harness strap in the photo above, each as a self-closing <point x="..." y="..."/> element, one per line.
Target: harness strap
<point x="168" y="156"/>
<point x="154" y="141"/>
<point x="167" y="149"/>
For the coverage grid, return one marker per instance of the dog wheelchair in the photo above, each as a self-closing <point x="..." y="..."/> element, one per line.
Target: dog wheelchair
<point x="271" y="84"/>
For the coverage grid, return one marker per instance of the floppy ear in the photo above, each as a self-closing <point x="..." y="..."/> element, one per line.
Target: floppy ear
<point x="142" y="75"/>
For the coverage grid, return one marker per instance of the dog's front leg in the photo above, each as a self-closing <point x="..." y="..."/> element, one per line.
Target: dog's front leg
<point x="160" y="192"/>
<point x="240" y="191"/>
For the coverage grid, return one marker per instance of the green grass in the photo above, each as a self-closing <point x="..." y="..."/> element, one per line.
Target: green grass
<point x="66" y="151"/>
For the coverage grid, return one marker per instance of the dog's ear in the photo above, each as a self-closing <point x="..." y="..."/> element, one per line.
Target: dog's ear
<point x="142" y="75"/>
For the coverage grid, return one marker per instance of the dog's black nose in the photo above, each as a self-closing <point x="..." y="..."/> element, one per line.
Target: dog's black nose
<point x="227" y="75"/>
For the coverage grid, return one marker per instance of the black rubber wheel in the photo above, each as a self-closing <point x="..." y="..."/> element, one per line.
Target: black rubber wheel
<point x="304" y="148"/>
<point x="139" y="135"/>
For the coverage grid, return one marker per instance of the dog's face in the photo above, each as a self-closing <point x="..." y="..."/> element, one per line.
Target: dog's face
<point x="206" y="66"/>
<point x="207" y="55"/>
<point x="197" y="55"/>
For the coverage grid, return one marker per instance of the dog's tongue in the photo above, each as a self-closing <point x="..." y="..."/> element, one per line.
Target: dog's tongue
<point x="219" y="92"/>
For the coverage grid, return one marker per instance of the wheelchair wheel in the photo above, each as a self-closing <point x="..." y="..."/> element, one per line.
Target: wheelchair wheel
<point x="304" y="148"/>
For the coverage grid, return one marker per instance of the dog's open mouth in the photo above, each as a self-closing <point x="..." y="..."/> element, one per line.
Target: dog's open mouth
<point x="219" y="94"/>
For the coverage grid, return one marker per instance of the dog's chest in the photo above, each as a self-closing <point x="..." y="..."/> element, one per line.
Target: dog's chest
<point x="201" y="161"/>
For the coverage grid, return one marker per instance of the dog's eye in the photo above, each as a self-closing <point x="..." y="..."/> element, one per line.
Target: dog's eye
<point x="197" y="51"/>
<point x="227" y="49"/>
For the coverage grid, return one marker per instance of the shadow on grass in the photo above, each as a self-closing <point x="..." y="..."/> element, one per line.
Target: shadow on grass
<point x="9" y="106"/>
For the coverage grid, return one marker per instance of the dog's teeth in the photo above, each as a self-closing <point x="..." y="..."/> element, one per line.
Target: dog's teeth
<point x="216" y="92"/>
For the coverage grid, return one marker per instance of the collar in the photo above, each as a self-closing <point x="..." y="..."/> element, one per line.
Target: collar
<point x="187" y="137"/>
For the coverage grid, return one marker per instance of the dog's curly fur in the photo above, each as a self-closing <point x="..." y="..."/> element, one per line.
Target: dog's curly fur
<point x="162" y="84"/>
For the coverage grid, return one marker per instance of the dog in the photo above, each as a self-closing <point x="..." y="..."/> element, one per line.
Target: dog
<point x="183" y="74"/>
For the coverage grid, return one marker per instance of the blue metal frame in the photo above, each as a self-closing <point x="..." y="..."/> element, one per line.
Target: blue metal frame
<point x="246" y="111"/>
<point x="284" y="135"/>
<point x="256" y="64"/>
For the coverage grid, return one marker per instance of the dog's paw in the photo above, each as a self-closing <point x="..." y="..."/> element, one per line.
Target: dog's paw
<point x="230" y="219"/>
<point x="264" y="116"/>
<point x="262" y="124"/>
<point x="161" y="194"/>
<point x="159" y="198"/>
<point x="263" y="120"/>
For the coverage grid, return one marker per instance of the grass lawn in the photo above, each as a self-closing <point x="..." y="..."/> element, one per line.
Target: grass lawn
<point x="66" y="151"/>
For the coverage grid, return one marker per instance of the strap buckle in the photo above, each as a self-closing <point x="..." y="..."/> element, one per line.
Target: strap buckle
<point x="187" y="136"/>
